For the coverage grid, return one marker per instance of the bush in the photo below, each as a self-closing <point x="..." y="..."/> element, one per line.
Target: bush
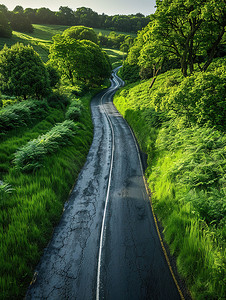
<point x="21" y="114"/>
<point x="200" y="99"/>
<point x="30" y="156"/>
<point x="54" y="76"/>
<point x="130" y="73"/>
<point x="22" y="72"/>
<point x="57" y="99"/>
<point x="74" y="111"/>
<point x="81" y="33"/>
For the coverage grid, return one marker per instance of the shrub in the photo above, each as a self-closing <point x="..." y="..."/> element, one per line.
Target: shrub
<point x="22" y="72"/>
<point x="74" y="111"/>
<point x="200" y="98"/>
<point x="58" y="99"/>
<point x="21" y="114"/>
<point x="54" y="76"/>
<point x="30" y="156"/>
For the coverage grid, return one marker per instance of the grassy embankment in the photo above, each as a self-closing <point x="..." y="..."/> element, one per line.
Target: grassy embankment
<point x="33" y="201"/>
<point x="35" y="181"/>
<point x="186" y="176"/>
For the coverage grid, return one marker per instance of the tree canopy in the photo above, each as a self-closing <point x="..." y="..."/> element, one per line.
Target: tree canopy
<point x="187" y="31"/>
<point x="81" y="33"/>
<point x="22" y="72"/>
<point x="5" y="28"/>
<point x="81" y="16"/>
<point x="79" y="61"/>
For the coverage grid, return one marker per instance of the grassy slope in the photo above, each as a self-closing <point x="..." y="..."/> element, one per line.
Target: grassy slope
<point x="40" y="39"/>
<point x="179" y="166"/>
<point x="35" y="205"/>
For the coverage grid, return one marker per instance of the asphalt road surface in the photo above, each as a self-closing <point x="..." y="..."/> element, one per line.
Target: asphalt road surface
<point x="106" y="245"/>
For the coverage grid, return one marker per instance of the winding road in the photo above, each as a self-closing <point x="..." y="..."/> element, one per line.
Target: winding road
<point x="106" y="245"/>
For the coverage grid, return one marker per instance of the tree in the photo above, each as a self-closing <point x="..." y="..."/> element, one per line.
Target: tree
<point x="79" y="60"/>
<point x="5" y="28"/>
<point x="81" y="33"/>
<point x="87" y="17"/>
<point x="186" y="29"/>
<point x="66" y="16"/>
<point x="45" y="16"/>
<point x="18" y="9"/>
<point x="20" y="22"/>
<point x="22" y="72"/>
<point x="31" y="14"/>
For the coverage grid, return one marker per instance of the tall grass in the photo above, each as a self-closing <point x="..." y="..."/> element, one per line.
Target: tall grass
<point x="186" y="174"/>
<point x="31" y="156"/>
<point x="21" y="114"/>
<point x="36" y="199"/>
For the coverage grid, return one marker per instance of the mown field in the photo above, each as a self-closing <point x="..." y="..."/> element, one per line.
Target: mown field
<point x="186" y="170"/>
<point x="40" y="39"/>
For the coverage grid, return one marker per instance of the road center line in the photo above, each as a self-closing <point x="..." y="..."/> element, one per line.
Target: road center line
<point x="107" y="195"/>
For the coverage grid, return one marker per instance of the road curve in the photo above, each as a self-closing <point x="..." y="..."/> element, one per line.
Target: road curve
<point x="106" y="245"/>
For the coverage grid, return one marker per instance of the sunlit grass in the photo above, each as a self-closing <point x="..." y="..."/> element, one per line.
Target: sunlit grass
<point x="32" y="203"/>
<point x="186" y="175"/>
<point x="117" y="57"/>
<point x="41" y="39"/>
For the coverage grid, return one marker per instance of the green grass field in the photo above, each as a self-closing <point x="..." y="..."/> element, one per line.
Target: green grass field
<point x="40" y="39"/>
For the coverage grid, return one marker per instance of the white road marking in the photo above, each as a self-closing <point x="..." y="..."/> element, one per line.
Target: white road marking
<point x="107" y="195"/>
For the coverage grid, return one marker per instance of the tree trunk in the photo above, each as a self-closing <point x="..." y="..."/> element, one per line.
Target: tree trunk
<point x="155" y="73"/>
<point x="184" y="66"/>
<point x="213" y="50"/>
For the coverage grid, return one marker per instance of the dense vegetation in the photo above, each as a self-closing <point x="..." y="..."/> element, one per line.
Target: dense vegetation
<point x="39" y="163"/>
<point x="186" y="169"/>
<point x="22" y="72"/>
<point x="21" y="19"/>
<point x="179" y="120"/>
<point x="179" y="34"/>
<point x="45" y="132"/>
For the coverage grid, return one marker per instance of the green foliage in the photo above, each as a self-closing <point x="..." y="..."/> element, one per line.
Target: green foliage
<point x="54" y="76"/>
<point x="31" y="156"/>
<point x="5" y="28"/>
<point x="22" y="72"/>
<point x="20" y="22"/>
<point x="21" y="114"/>
<point x="186" y="172"/>
<point x="74" y="111"/>
<point x="115" y="41"/>
<point x="200" y="98"/>
<point x="36" y="196"/>
<point x="130" y="73"/>
<point x="79" y="61"/>
<point x="81" y="33"/>
<point x="116" y="57"/>
<point x="58" y="99"/>
<point x="4" y="190"/>
<point x="180" y="32"/>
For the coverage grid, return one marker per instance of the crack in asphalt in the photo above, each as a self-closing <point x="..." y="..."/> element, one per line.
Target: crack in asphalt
<point x="132" y="263"/>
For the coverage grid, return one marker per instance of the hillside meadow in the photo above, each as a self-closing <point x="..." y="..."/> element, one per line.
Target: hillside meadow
<point x="41" y="39"/>
<point x="186" y="169"/>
